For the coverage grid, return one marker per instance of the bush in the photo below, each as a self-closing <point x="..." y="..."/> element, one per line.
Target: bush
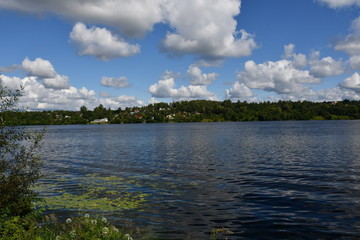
<point x="20" y="165"/>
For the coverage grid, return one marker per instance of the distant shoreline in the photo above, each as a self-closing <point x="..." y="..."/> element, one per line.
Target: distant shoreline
<point x="191" y="111"/>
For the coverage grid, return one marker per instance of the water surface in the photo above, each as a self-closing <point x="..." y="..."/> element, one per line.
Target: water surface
<point x="261" y="180"/>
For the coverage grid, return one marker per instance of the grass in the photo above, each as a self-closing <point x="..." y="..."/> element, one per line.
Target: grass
<point x="80" y="228"/>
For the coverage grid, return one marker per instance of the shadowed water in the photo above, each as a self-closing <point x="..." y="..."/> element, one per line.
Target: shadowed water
<point x="261" y="180"/>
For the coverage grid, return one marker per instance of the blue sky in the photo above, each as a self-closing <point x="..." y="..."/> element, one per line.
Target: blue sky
<point x="134" y="52"/>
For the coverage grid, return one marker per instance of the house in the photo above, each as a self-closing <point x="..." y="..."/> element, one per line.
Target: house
<point x="100" y="121"/>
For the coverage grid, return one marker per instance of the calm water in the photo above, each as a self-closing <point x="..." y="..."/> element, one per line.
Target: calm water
<point x="261" y="180"/>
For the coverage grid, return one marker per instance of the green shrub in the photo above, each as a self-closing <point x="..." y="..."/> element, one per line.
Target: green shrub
<point x="20" y="165"/>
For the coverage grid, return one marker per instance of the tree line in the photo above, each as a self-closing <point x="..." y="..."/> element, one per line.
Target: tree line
<point x="192" y="111"/>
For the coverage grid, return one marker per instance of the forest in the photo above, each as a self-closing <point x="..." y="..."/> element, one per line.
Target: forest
<point x="191" y="111"/>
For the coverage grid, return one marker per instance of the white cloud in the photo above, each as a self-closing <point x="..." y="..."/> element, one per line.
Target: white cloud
<point x="45" y="89"/>
<point x="351" y="44"/>
<point x="57" y="82"/>
<point x="355" y="62"/>
<point x="39" y="68"/>
<point x="326" y="67"/>
<point x="299" y="60"/>
<point x="121" y="82"/>
<point x="280" y="77"/>
<point x="337" y="94"/>
<point x="130" y="17"/>
<point x="198" y="78"/>
<point x="11" y="68"/>
<point x="101" y="43"/>
<point x="340" y="3"/>
<point x="153" y="100"/>
<point x="37" y="97"/>
<point x="121" y="101"/>
<point x="352" y="83"/>
<point x="210" y="47"/>
<point x="239" y="91"/>
<point x="44" y="70"/>
<point x="206" y="28"/>
<point x="129" y="101"/>
<point x="165" y="88"/>
<point x="12" y="83"/>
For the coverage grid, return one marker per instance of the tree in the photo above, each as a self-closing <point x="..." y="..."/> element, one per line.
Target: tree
<point x="83" y="109"/>
<point x="20" y="164"/>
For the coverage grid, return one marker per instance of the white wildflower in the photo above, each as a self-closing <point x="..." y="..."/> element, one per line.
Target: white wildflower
<point x="93" y="221"/>
<point x="105" y="230"/>
<point x="68" y="220"/>
<point x="73" y="234"/>
<point x="87" y="215"/>
<point x="128" y="237"/>
<point x="115" y="229"/>
<point x="104" y="220"/>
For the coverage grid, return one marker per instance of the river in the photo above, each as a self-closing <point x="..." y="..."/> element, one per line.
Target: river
<point x="257" y="180"/>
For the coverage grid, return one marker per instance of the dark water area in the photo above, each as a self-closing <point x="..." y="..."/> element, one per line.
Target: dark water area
<point x="261" y="180"/>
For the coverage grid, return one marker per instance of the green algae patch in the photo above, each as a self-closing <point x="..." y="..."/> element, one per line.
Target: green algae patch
<point x="91" y="192"/>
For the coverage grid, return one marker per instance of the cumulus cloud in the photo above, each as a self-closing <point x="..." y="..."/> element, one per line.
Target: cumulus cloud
<point x="45" y="71"/>
<point x="352" y="83"/>
<point x="130" y="17"/>
<point x="101" y="43"/>
<point x="299" y="60"/>
<point x="37" y="97"/>
<point x="325" y="67"/>
<point x="355" y="62"/>
<point x="121" y="101"/>
<point x="57" y="82"/>
<point x="239" y="91"/>
<point x="337" y="94"/>
<point x="280" y="77"/>
<point x="165" y="88"/>
<point x="129" y="101"/>
<point x="45" y="89"/>
<point x="340" y="3"/>
<point x="351" y="44"/>
<point x="198" y="78"/>
<point x="39" y="67"/>
<point x="117" y="83"/>
<point x="205" y="28"/>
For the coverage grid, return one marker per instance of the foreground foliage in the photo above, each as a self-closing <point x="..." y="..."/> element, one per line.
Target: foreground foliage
<point x="81" y="228"/>
<point x="20" y="165"/>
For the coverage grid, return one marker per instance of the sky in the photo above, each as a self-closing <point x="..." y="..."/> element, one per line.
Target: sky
<point x="122" y="53"/>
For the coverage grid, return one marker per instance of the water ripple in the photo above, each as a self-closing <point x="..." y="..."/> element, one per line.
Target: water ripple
<point x="264" y="180"/>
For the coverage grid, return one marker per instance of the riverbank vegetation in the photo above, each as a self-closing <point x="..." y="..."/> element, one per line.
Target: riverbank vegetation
<point x="192" y="111"/>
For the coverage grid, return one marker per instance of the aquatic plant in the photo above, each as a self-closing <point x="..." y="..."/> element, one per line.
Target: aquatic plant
<point x="93" y="192"/>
